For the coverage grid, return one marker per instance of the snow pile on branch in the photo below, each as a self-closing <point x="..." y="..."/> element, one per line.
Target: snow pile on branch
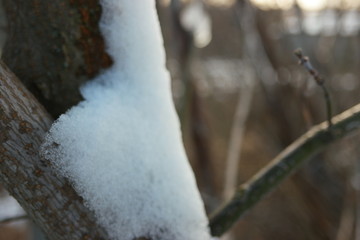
<point x="121" y="147"/>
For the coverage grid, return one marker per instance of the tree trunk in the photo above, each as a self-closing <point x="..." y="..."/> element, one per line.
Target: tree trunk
<point x="48" y="198"/>
<point x="54" y="47"/>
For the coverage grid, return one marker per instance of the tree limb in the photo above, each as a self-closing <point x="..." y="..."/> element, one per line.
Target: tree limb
<point x="250" y="193"/>
<point x="47" y="198"/>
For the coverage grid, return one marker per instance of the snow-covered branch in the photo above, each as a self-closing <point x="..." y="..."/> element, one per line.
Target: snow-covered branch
<point x="47" y="197"/>
<point x="307" y="146"/>
<point x="121" y="148"/>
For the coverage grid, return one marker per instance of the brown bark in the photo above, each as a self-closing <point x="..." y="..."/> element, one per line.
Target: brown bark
<point x="54" y="47"/>
<point x="48" y="198"/>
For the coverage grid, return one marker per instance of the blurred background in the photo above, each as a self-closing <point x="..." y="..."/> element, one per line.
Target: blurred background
<point x="242" y="98"/>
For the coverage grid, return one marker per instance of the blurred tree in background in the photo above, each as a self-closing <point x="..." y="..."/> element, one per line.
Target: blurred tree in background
<point x="242" y="98"/>
<point x="247" y="80"/>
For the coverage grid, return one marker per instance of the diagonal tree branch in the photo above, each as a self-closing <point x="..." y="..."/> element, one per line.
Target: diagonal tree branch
<point x="47" y="198"/>
<point x="288" y="161"/>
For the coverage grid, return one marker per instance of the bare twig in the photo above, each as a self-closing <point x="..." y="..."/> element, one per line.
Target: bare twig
<point x="236" y="135"/>
<point x="191" y="105"/>
<point x="13" y="219"/>
<point x="305" y="62"/>
<point x="311" y="143"/>
<point x="243" y="103"/>
<point x="347" y="217"/>
<point x="357" y="201"/>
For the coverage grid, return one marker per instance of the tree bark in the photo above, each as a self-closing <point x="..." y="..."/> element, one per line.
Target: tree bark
<point x="54" y="47"/>
<point x="47" y="197"/>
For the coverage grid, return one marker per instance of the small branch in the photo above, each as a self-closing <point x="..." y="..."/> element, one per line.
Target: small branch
<point x="13" y="219"/>
<point x="357" y="201"/>
<point x="305" y="62"/>
<point x="347" y="217"/>
<point x="237" y="134"/>
<point x="328" y="104"/>
<point x="288" y="161"/>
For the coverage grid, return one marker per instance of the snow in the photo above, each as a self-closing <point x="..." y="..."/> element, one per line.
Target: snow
<point x="121" y="147"/>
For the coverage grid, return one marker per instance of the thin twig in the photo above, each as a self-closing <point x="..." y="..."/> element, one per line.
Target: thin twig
<point x="243" y="103"/>
<point x="305" y="62"/>
<point x="237" y="134"/>
<point x="13" y="219"/>
<point x="288" y="161"/>
<point x="190" y="107"/>
<point x="347" y="217"/>
<point x="357" y="201"/>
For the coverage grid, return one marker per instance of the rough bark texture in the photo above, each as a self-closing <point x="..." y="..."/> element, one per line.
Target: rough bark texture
<point x="48" y="198"/>
<point x="54" y="47"/>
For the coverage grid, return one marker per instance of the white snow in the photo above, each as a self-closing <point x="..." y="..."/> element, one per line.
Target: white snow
<point x="121" y="147"/>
